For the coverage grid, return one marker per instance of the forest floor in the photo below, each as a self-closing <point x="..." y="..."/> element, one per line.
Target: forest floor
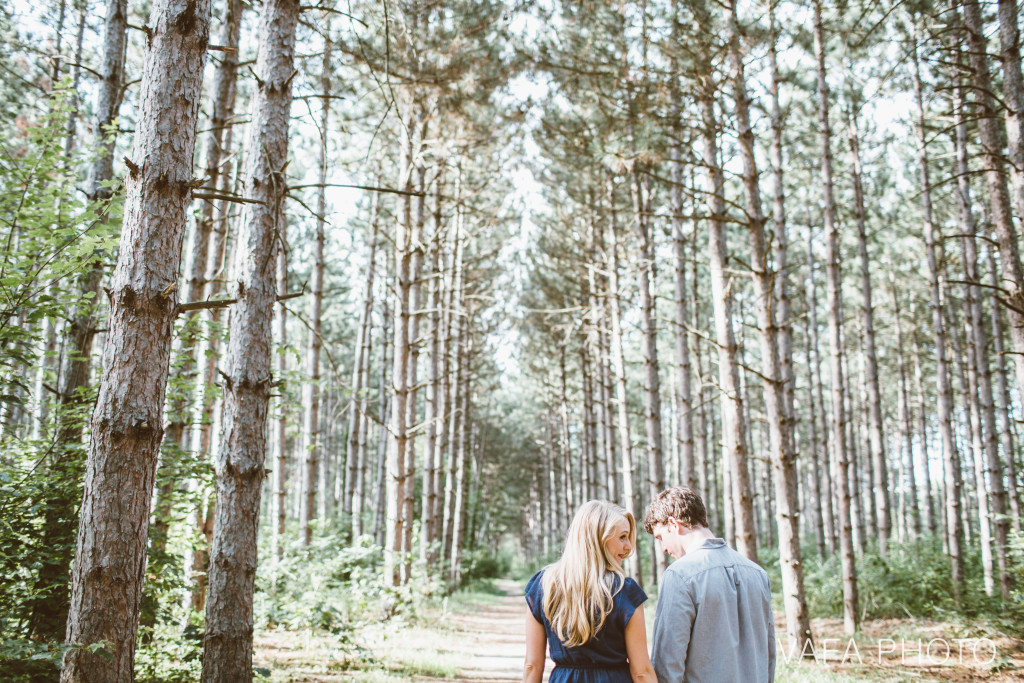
<point x="477" y="637"/>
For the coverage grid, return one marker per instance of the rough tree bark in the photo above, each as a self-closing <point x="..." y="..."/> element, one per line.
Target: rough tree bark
<point x="127" y="422"/>
<point x="239" y="465"/>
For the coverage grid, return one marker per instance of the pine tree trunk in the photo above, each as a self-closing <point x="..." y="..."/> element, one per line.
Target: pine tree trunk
<point x="966" y="441"/>
<point x="733" y="416"/>
<point x="461" y="452"/>
<point x="684" y="409"/>
<point x="384" y="416"/>
<point x="822" y="494"/>
<point x="444" y="320"/>
<point x="781" y="251"/>
<point x="214" y="223"/>
<point x="280" y="435"/>
<point x="911" y="503"/>
<point x="1003" y="399"/>
<point x="240" y="459"/>
<point x="456" y="370"/>
<point x="991" y="129"/>
<point x="945" y="417"/>
<point x="824" y="452"/>
<point x="783" y="458"/>
<point x="646" y="279"/>
<point x="358" y="423"/>
<point x="986" y="448"/>
<point x="832" y="268"/>
<point x="931" y="520"/>
<point x="1013" y="96"/>
<point x="619" y="366"/>
<point x="127" y="423"/>
<point x="428" y="502"/>
<point x="312" y="449"/>
<point x="876" y="427"/>
<point x="415" y="305"/>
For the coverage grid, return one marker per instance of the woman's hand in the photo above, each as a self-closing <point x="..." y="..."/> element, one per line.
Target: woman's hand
<point x="536" y="650"/>
<point x="636" y="649"/>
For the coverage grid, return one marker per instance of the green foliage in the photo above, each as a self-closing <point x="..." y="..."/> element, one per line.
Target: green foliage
<point x="50" y="235"/>
<point x="171" y="653"/>
<point x="481" y="563"/>
<point x="913" y="581"/>
<point x="325" y="587"/>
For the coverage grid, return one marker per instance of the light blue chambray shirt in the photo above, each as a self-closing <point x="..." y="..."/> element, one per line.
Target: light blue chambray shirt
<point x="714" y="621"/>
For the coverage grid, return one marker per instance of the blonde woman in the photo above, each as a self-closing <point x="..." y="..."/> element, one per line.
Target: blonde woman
<point x="585" y="608"/>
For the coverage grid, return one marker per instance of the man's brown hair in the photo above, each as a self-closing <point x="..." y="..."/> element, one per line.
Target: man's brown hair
<point x="679" y="502"/>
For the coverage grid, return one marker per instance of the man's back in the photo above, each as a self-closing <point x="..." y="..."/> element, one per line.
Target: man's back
<point x="714" y="621"/>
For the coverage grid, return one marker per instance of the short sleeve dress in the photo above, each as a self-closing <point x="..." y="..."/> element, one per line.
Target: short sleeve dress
<point x="603" y="658"/>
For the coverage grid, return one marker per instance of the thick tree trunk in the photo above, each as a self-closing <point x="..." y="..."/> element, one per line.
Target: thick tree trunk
<point x="247" y="378"/>
<point x="127" y="423"/>
<point x="783" y="457"/>
<point x="851" y="613"/>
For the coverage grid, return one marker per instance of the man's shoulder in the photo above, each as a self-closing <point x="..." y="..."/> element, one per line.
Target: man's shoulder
<point x="715" y="557"/>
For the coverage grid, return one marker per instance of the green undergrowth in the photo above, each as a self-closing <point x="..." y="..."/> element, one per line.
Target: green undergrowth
<point x="913" y="581"/>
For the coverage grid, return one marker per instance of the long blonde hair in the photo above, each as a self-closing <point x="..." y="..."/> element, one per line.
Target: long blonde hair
<point x="579" y="587"/>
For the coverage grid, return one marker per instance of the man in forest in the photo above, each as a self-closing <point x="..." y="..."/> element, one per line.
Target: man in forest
<point x="714" y="621"/>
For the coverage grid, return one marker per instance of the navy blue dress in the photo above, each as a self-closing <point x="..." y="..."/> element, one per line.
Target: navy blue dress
<point x="602" y="659"/>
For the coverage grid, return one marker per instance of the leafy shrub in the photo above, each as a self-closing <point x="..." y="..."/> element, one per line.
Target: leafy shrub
<point x="913" y="580"/>
<point x="481" y="563"/>
<point x="324" y="587"/>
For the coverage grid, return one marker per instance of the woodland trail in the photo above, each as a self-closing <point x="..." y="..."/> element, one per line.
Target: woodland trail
<point x="479" y="642"/>
<point x="488" y="642"/>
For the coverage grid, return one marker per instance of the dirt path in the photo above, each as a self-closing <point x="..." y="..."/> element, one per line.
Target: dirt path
<point x="488" y="643"/>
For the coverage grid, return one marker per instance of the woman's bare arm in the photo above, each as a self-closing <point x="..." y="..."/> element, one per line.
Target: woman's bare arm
<point x="536" y="650"/>
<point x="636" y="649"/>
